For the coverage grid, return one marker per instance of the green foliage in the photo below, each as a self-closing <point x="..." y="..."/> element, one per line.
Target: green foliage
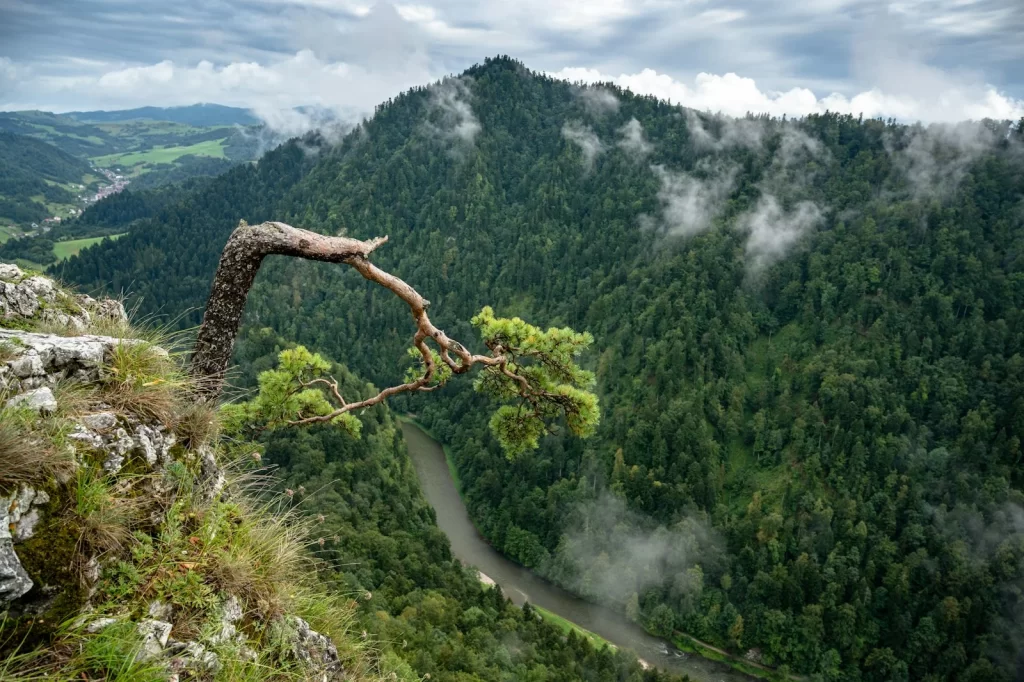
<point x="287" y="394"/>
<point x="549" y="383"/>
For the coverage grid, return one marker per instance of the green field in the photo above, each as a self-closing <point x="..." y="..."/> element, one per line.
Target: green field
<point x="566" y="625"/>
<point x="64" y="250"/>
<point x="6" y="232"/>
<point x="212" y="148"/>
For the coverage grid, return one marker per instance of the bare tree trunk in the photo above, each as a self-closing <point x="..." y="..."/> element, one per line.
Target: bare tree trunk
<point x="239" y="263"/>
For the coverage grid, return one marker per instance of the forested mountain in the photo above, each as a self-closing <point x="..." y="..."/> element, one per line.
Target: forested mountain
<point x="808" y="344"/>
<point x="32" y="175"/>
<point x="194" y="115"/>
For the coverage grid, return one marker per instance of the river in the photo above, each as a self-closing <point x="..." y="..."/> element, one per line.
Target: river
<point x="521" y="585"/>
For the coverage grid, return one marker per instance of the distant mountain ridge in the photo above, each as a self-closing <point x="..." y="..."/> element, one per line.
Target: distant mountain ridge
<point x="200" y="115"/>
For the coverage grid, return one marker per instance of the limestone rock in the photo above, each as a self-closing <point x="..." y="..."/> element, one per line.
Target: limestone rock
<point x="99" y="624"/>
<point x="45" y="359"/>
<point x="212" y="475"/>
<point x="10" y="272"/>
<point x="231" y="612"/>
<point x="154" y="637"/>
<point x="39" y="400"/>
<point x="160" y="611"/>
<point x="316" y="651"/>
<point x="19" y="513"/>
<point x="83" y="437"/>
<point x="153" y="444"/>
<point x="191" y="657"/>
<point x="14" y="581"/>
<point x="101" y="421"/>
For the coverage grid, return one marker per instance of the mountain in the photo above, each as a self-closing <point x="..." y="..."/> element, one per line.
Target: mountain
<point x="37" y="179"/>
<point x="808" y="342"/>
<point x="153" y="146"/>
<point x="198" y="115"/>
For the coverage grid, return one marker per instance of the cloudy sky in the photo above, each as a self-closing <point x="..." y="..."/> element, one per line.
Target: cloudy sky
<point x="929" y="60"/>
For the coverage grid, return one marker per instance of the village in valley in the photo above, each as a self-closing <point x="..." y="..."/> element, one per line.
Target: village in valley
<point x="117" y="183"/>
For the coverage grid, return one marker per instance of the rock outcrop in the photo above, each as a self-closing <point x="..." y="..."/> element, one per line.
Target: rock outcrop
<point x="37" y="297"/>
<point x="142" y="461"/>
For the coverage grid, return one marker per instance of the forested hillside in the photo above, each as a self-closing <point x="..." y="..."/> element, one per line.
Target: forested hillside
<point x="808" y="344"/>
<point x="33" y="175"/>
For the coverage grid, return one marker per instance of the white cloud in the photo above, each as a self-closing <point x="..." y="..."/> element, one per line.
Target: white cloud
<point x="632" y="139"/>
<point x="586" y="139"/>
<point x="735" y="95"/>
<point x="773" y="231"/>
<point x="689" y="203"/>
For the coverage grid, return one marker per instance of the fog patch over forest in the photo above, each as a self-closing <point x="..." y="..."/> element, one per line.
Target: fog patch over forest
<point x="611" y="552"/>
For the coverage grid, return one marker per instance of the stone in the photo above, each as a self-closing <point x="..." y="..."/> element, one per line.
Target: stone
<point x="231" y="612"/>
<point x="14" y="581"/>
<point x="160" y="611"/>
<point x="192" y="657"/>
<point x="19" y="513"/>
<point x="99" y="624"/>
<point x="27" y="366"/>
<point x="47" y="359"/>
<point x="117" y="449"/>
<point x="86" y="438"/>
<point x="155" y="634"/>
<point x="211" y="474"/>
<point x="153" y="444"/>
<point x="39" y="400"/>
<point x="109" y="308"/>
<point x="10" y="272"/>
<point x="101" y="421"/>
<point x="316" y="651"/>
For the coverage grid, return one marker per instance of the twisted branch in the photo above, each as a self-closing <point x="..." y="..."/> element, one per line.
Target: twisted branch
<point x="240" y="261"/>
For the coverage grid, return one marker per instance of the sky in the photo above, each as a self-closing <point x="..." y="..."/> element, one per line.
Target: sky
<point x="927" y="60"/>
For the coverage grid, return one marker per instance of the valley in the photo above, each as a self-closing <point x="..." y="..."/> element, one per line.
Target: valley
<point x="469" y="547"/>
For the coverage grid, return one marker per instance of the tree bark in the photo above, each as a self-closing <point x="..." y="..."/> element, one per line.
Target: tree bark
<point x="239" y="262"/>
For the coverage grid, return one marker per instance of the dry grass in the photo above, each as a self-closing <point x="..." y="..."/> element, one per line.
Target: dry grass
<point x="105" y="512"/>
<point x="147" y="381"/>
<point x="24" y="457"/>
<point x="31" y="449"/>
<point x="198" y="424"/>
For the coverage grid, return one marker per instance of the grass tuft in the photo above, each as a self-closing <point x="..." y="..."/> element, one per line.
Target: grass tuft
<point x="105" y="513"/>
<point x="30" y="451"/>
<point x="198" y="424"/>
<point x="145" y="380"/>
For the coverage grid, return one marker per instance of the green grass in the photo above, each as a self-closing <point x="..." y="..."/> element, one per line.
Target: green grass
<point x="212" y="148"/>
<point x="7" y="232"/>
<point x="64" y="250"/>
<point x="684" y="642"/>
<point x="567" y="625"/>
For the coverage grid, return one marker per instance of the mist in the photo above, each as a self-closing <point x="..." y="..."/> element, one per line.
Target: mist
<point x="689" y="204"/>
<point x="597" y="101"/>
<point x="584" y="137"/>
<point x="774" y="231"/>
<point x="451" y="116"/>
<point x="612" y="552"/>
<point x="633" y="141"/>
<point x="935" y="160"/>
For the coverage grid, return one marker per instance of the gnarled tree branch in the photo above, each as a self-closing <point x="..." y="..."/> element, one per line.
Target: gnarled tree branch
<point x="244" y="253"/>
